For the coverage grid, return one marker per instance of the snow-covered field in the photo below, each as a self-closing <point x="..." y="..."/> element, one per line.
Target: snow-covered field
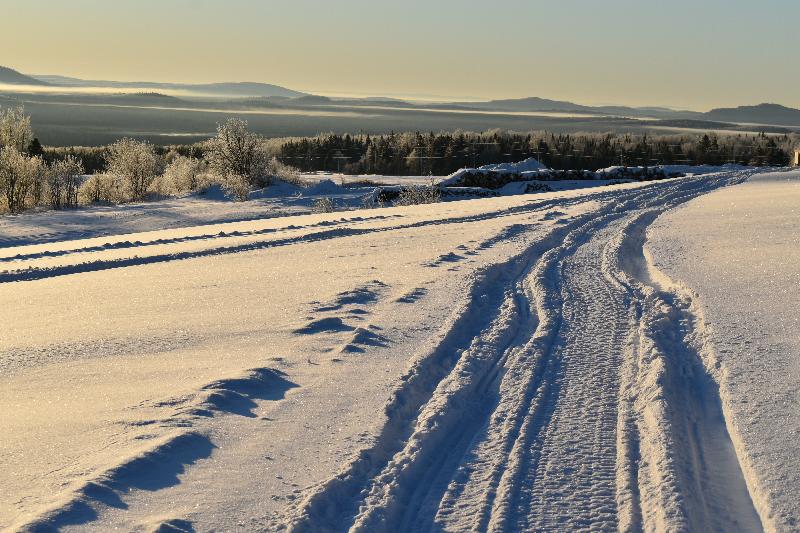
<point x="503" y="364"/>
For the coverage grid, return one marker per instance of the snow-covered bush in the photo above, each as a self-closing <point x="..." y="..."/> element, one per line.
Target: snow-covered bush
<point x="102" y="188"/>
<point x="236" y="151"/>
<point x="183" y="174"/>
<point x="63" y="181"/>
<point x="134" y="163"/>
<point x="21" y="179"/>
<point x="236" y="186"/>
<point x="37" y="174"/>
<point x="285" y="173"/>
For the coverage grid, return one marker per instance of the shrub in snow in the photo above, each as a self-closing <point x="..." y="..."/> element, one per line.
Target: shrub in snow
<point x="236" y="151"/>
<point x="63" y="181"/>
<point x="537" y="187"/>
<point x="373" y="200"/>
<point x="323" y="205"/>
<point x="102" y="188"/>
<point x="285" y="173"/>
<point x="21" y="179"/>
<point x="183" y="174"/>
<point x="236" y="186"/>
<point x="419" y="194"/>
<point x="135" y="164"/>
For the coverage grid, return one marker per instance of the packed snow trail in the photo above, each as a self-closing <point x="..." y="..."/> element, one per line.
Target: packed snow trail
<point x="580" y="403"/>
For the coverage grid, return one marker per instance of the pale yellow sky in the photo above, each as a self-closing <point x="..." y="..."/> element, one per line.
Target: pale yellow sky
<point x="680" y="53"/>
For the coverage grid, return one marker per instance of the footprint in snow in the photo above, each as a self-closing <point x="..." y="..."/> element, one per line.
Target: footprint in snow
<point x="363" y="338"/>
<point x="365" y="295"/>
<point x="446" y="258"/>
<point x="324" y="325"/>
<point x="412" y="296"/>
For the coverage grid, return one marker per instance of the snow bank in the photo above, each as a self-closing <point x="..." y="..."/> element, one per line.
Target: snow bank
<point x="528" y="165"/>
<point x="736" y="249"/>
<point x="500" y="172"/>
<point x="279" y="189"/>
<point x="668" y="170"/>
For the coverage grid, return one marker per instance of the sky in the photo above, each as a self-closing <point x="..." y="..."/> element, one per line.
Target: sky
<point x="691" y="54"/>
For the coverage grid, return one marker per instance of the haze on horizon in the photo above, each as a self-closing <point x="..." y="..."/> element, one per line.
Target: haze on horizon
<point x="680" y="54"/>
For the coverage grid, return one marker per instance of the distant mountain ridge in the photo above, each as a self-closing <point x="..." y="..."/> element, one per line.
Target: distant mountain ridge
<point x="758" y="114"/>
<point x="12" y="77"/>
<point x="768" y="114"/>
<point x="269" y="95"/>
<point x="231" y="89"/>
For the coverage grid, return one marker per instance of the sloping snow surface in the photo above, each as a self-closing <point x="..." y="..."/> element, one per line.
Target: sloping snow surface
<point x="503" y="364"/>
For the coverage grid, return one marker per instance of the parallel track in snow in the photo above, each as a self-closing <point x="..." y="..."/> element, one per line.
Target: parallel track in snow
<point x="570" y="394"/>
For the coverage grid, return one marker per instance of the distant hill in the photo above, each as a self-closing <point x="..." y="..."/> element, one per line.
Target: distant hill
<point x="757" y="114"/>
<point x="531" y="103"/>
<point x="12" y="77"/>
<point x="243" y="89"/>
<point x="143" y="98"/>
<point x="311" y="99"/>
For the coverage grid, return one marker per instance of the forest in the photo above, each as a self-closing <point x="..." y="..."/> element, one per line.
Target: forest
<point x="444" y="153"/>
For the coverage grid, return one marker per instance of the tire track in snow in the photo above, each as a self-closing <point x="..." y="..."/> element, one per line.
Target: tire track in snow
<point x="689" y="473"/>
<point x="528" y="424"/>
<point x="336" y="229"/>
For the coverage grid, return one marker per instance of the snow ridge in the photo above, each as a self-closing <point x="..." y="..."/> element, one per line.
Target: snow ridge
<point x="158" y="464"/>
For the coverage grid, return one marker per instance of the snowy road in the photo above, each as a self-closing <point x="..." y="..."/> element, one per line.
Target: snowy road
<point x="581" y="403"/>
<point x="530" y="368"/>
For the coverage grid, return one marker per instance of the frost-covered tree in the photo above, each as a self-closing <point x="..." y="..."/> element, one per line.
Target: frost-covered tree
<point x="236" y="151"/>
<point x="102" y="188"/>
<point x="63" y="182"/>
<point x="20" y="175"/>
<point x="15" y="129"/>
<point x="38" y="172"/>
<point x="183" y="174"/>
<point x="135" y="163"/>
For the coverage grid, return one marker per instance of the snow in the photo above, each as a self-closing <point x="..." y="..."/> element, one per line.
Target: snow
<point x="324" y="187"/>
<point x="673" y="170"/>
<point x="232" y="371"/>
<point x="526" y="187"/>
<point x="313" y="177"/>
<point x="213" y="206"/>
<point x="738" y="250"/>
<point x="528" y="165"/>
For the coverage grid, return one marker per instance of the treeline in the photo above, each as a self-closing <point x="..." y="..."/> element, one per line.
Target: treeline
<point x="95" y="158"/>
<point x="444" y="153"/>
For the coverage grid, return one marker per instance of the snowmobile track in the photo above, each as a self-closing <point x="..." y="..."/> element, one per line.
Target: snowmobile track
<point x="537" y="409"/>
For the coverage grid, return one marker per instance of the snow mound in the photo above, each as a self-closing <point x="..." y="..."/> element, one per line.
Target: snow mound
<point x="531" y="168"/>
<point x="324" y="187"/>
<point x="212" y="192"/>
<point x="278" y="189"/>
<point x="668" y="170"/>
<point x="528" y="165"/>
